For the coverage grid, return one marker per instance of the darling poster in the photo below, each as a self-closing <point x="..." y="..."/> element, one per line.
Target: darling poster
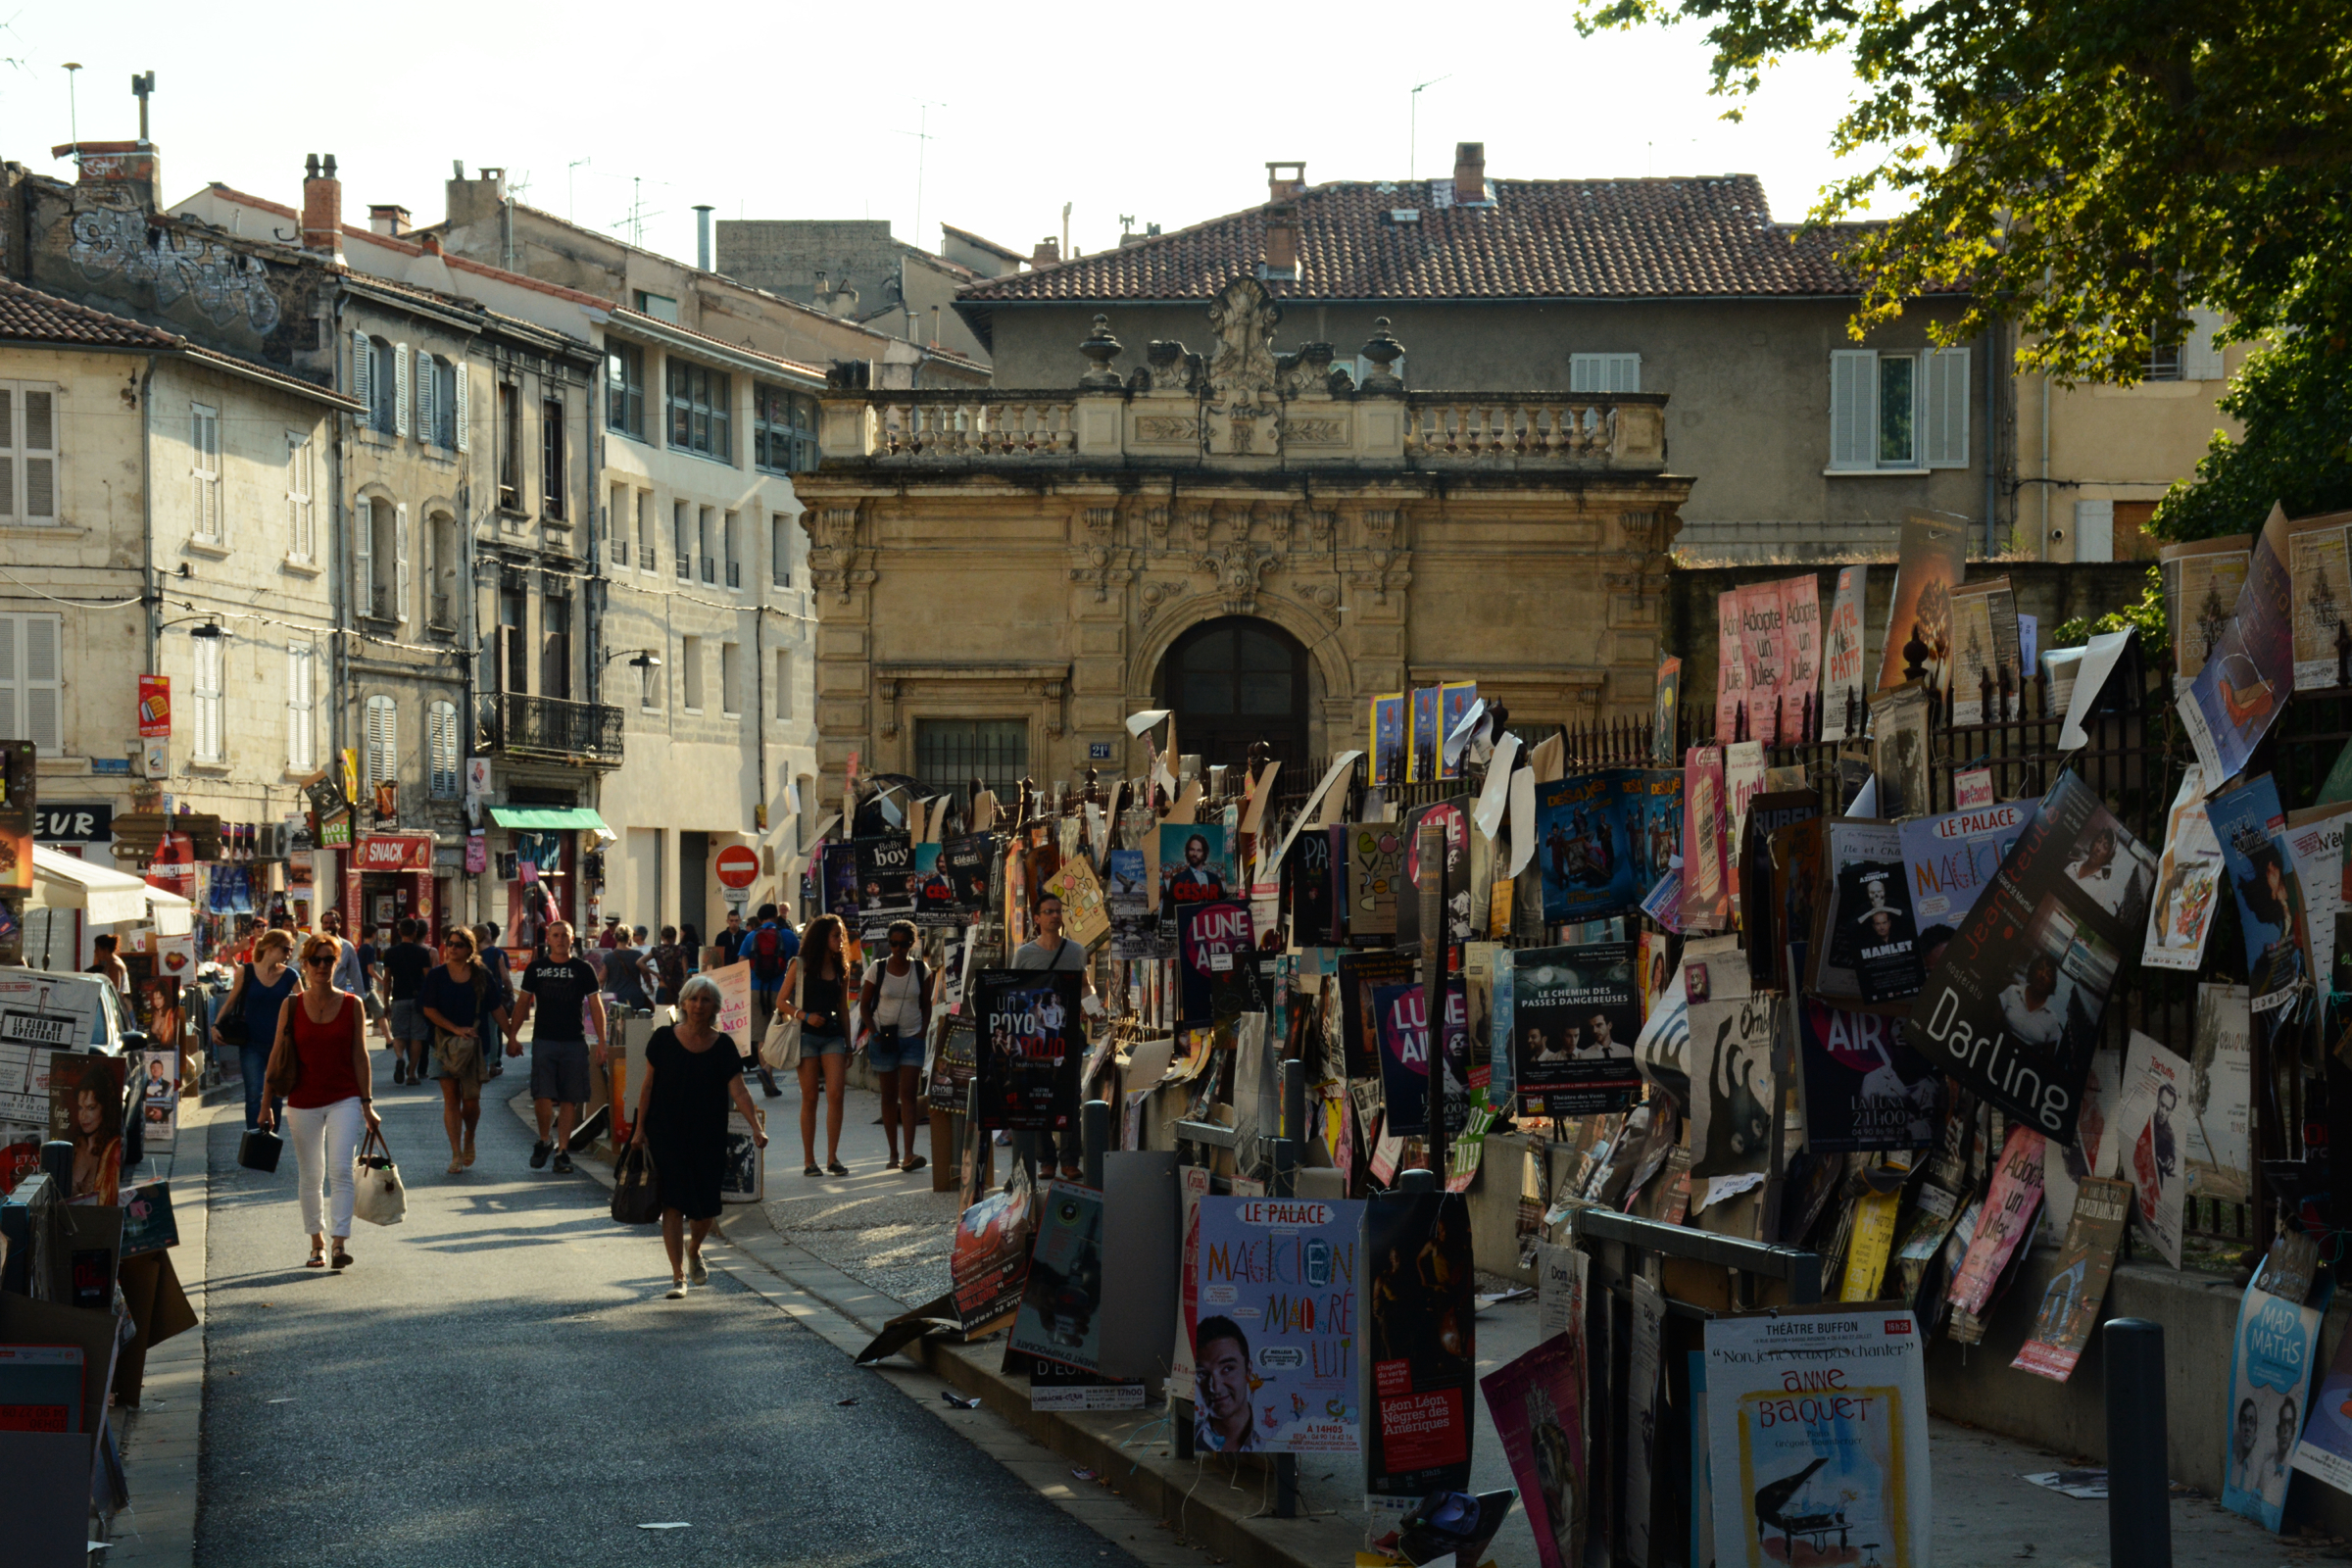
<point x="1274" y="1342"/>
<point x="1817" y="1431"/>
<point x="2271" y="1362"/>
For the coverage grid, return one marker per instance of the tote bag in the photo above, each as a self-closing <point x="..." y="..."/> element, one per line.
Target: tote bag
<point x="636" y="1192"/>
<point x="377" y="1195"/>
<point x="781" y="1050"/>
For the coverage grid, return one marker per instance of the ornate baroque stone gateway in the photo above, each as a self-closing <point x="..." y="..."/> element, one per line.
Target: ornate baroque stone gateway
<point x="1258" y="542"/>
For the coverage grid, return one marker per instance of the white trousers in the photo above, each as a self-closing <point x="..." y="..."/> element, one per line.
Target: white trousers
<point x="326" y="1140"/>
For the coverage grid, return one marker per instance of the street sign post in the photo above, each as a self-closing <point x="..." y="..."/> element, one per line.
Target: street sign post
<point x="737" y="867"/>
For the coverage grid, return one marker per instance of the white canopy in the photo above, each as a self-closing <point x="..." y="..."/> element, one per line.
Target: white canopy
<point x="105" y="895"/>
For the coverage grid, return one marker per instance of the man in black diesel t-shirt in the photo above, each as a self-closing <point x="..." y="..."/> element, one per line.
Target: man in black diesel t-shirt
<point x="406" y="964"/>
<point x="558" y="989"/>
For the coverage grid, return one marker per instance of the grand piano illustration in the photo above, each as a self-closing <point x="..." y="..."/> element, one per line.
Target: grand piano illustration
<point x="1778" y="1508"/>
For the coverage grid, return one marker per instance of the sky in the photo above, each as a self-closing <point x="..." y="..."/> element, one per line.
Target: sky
<point x="764" y="110"/>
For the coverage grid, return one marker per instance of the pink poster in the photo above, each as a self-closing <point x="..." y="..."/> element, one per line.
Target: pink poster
<point x="1538" y="1405"/>
<point x="1731" y="667"/>
<point x="1707" y="891"/>
<point x="2009" y="1210"/>
<point x="1800" y="642"/>
<point x="1760" y="626"/>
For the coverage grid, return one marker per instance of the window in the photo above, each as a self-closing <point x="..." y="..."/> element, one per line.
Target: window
<point x="301" y="519"/>
<point x="380" y="560"/>
<point x="660" y="307"/>
<point x="441" y="749"/>
<point x="514" y="667"/>
<point x="210" y="657"/>
<point x="783" y="683"/>
<point x="551" y="457"/>
<point x="705" y="525"/>
<point x="730" y="535"/>
<point x="302" y="702"/>
<point x="949" y="752"/>
<point x="27" y="452"/>
<point x="779" y="549"/>
<point x="436" y="401"/>
<point x="382" y="752"/>
<point x="730" y="677"/>
<point x="1898" y="410"/>
<point x="2164" y="362"/>
<point x="509" y="447"/>
<point x="690" y="674"/>
<point x="625" y="389"/>
<point x="379" y="378"/>
<point x="204" y="469"/>
<point x="645" y="530"/>
<point x="555" y="647"/>
<point x="783" y="429"/>
<point x="1605" y="372"/>
<point x="31" y="699"/>
<point x="615" y="499"/>
<point x="445" y="562"/>
<point x="701" y="411"/>
<point x="681" y="541"/>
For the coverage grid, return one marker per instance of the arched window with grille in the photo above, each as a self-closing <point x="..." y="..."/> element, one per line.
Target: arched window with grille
<point x="441" y="748"/>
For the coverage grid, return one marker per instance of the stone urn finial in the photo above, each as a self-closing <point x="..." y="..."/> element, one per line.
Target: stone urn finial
<point x="1101" y="348"/>
<point x="1384" y="351"/>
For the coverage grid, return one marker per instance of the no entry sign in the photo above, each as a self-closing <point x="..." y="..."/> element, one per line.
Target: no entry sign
<point x="737" y="866"/>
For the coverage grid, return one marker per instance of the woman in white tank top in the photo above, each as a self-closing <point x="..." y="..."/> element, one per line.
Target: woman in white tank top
<point x="897" y="1008"/>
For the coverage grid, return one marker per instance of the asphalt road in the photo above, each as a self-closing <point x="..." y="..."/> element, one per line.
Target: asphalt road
<point x="499" y="1380"/>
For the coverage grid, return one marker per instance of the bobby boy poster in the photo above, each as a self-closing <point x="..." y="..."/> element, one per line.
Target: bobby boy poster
<point x="1575" y="1014"/>
<point x="1274" y="1343"/>
<point x="1421" y="1348"/>
<point x="1031" y="1039"/>
<point x="2013" y="1008"/>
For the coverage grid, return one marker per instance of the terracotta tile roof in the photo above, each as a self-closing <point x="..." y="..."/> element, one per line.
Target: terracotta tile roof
<point x="1702" y="236"/>
<point x="28" y="315"/>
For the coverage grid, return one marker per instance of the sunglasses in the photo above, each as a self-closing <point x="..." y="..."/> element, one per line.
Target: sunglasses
<point x="900" y="942"/>
<point x="321" y="962"/>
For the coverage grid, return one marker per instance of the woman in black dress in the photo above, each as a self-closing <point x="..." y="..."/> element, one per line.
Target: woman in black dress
<point x="691" y="1072"/>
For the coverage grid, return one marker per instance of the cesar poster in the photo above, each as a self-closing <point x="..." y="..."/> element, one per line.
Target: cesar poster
<point x="1817" y="1431"/>
<point x="1274" y="1345"/>
<point x="1192" y="863"/>
<point x="1421" y="1344"/>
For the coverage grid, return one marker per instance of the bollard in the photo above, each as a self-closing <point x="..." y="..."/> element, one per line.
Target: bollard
<point x="1286" y="1166"/>
<point x="2140" y="1510"/>
<point x="1416" y="1181"/>
<point x="1094" y="1120"/>
<point x="56" y="1163"/>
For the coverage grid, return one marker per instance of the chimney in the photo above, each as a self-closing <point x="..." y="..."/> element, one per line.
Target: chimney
<point x="1285" y="181"/>
<point x="1047" y="252"/>
<point x="1282" y="241"/>
<point x="1469" y="173"/>
<point x="388" y="218"/>
<point x="322" y="207"/>
<point x="702" y="235"/>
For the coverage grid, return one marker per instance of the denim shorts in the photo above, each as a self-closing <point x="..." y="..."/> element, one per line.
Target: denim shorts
<point x="888" y="1050"/>
<point x="814" y="1045"/>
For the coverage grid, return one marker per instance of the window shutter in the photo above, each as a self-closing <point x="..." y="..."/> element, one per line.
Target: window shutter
<point x="1945" y="445"/>
<point x="362" y="369"/>
<point x="1583" y="372"/>
<point x="424" y="397"/>
<point x="400" y="389"/>
<point x="1853" y="409"/>
<point x="460" y="381"/>
<point x="2200" y="358"/>
<point x="43" y="706"/>
<point x="294" y="708"/>
<point x="400" y="558"/>
<point x="40" y="455"/>
<point x="363" y="556"/>
<point x="208" y="699"/>
<point x="2094" y="530"/>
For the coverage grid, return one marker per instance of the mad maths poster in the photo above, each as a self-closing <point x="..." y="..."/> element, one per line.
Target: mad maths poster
<point x="2271" y="1362"/>
<point x="1274" y="1344"/>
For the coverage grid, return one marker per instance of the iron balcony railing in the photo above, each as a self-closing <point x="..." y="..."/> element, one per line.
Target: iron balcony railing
<point x="515" y="725"/>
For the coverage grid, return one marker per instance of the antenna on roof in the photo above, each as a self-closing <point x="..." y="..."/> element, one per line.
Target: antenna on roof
<point x="922" y="148"/>
<point x="1412" y="156"/>
<point x="571" y="204"/>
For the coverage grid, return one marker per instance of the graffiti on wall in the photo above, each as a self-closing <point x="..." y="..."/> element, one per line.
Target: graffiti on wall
<point x="114" y="241"/>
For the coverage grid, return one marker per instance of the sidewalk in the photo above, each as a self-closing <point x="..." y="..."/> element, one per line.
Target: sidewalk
<point x="866" y="1245"/>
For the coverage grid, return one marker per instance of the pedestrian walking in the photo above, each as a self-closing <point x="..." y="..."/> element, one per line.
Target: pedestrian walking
<point x="493" y="959"/>
<point x="1051" y="950"/>
<point x="769" y="948"/>
<point x="614" y="935"/>
<point x="347" y="956"/>
<point x="819" y="978"/>
<point x="261" y="990"/>
<point x="670" y="967"/>
<point x="558" y="990"/>
<point x="690" y="944"/>
<point x="323" y="1034"/>
<point x="897" y="1001"/>
<point x="372" y="954"/>
<point x="406" y="964"/>
<point x="690" y="1073"/>
<point x="730" y="937"/>
<point x="460" y="1001"/>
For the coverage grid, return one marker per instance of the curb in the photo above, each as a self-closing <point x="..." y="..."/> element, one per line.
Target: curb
<point x="1211" y="1503"/>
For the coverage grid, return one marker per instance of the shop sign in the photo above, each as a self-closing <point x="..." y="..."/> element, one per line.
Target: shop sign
<point x="396" y="851"/>
<point x="116" y="766"/>
<point x="155" y="706"/>
<point x="478" y="853"/>
<point x="335" y="832"/>
<point x="74" y="822"/>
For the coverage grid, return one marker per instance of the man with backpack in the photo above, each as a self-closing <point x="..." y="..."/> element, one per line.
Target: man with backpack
<point x="768" y="947"/>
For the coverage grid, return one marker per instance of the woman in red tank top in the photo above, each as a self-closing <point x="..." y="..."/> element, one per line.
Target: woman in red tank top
<point x="331" y="1100"/>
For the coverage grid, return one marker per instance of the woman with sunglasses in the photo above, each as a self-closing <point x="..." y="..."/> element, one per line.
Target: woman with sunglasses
<point x="819" y="983"/>
<point x="324" y="1029"/>
<point x="897" y="1003"/>
<point x="463" y="1004"/>
<point x="259" y="998"/>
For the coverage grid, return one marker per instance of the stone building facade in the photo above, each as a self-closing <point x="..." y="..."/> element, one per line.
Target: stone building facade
<point x="1254" y="539"/>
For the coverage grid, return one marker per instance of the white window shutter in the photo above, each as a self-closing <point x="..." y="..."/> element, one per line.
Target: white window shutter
<point x="45" y="720"/>
<point x="1583" y="372"/>
<point x="293" y="706"/>
<point x="11" y="699"/>
<point x="40" y="455"/>
<point x="2094" y="530"/>
<point x="1853" y="409"/>
<point x="424" y="397"/>
<point x="362" y="369"/>
<point x="460" y="379"/>
<point x="400" y="558"/>
<point x="2200" y="358"/>
<point x="400" y="388"/>
<point x="1947" y="400"/>
<point x="363" y="554"/>
<point x="1624" y="372"/>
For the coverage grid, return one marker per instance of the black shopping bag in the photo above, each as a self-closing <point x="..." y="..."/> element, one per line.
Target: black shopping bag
<point x="636" y="1195"/>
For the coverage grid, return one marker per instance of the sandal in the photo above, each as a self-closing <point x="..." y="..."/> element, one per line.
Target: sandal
<point x="342" y="1258"/>
<point x="837" y="1168"/>
<point x="317" y="1258"/>
<point x="913" y="1162"/>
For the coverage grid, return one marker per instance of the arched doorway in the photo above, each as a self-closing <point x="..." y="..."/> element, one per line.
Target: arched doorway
<point x="1234" y="682"/>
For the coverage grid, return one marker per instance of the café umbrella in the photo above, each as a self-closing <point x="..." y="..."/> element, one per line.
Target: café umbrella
<point x="104" y="896"/>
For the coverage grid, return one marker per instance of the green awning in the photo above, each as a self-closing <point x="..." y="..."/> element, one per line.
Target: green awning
<point x="544" y="818"/>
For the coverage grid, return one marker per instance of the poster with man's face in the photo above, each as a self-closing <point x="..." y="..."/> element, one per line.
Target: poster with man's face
<point x="1192" y="862"/>
<point x="1268" y="1378"/>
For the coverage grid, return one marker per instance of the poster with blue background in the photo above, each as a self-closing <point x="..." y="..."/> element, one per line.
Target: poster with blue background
<point x="1275" y="1345"/>
<point x="2270" y="1376"/>
<point x="1583" y="844"/>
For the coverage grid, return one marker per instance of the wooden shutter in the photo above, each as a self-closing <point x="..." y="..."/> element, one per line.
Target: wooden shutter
<point x="384" y="742"/>
<point x="460" y="381"/>
<point x="1853" y="409"/>
<point x="425" y="398"/>
<point x="400" y="389"/>
<point x="363" y="554"/>
<point x="208" y="697"/>
<point x="1944" y="436"/>
<point x="301" y="701"/>
<point x="39" y="454"/>
<point x="2200" y="359"/>
<point x="362" y="373"/>
<point x="2094" y="530"/>
<point x="400" y="558"/>
<point x="31" y="696"/>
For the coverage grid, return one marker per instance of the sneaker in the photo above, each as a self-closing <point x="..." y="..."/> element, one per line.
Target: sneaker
<point x="677" y="1292"/>
<point x="695" y="1273"/>
<point x="539" y="1152"/>
<point x="562" y="1165"/>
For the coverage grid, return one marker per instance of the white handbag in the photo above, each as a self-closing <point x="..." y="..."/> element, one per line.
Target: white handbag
<point x="377" y="1194"/>
<point x="780" y="1052"/>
